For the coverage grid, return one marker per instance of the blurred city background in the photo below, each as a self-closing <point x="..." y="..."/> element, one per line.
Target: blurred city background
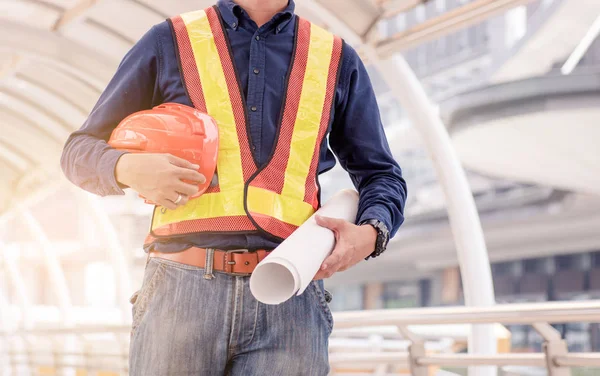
<point x="516" y="83"/>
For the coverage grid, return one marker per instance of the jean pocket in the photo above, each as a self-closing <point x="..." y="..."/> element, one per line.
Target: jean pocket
<point x="141" y="299"/>
<point x="319" y="292"/>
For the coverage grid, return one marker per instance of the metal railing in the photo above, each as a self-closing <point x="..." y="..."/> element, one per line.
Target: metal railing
<point x="555" y="357"/>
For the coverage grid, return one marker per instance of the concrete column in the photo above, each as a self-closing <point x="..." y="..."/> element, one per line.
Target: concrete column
<point x="373" y="295"/>
<point x="450" y="293"/>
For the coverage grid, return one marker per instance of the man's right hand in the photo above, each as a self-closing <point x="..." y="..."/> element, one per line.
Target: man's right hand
<point x="159" y="177"/>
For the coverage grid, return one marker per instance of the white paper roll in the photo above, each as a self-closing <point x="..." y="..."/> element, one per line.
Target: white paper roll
<point x="290" y="268"/>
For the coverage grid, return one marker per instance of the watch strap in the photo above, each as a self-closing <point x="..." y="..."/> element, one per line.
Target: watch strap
<point x="383" y="236"/>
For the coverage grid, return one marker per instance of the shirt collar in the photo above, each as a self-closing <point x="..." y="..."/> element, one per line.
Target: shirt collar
<point x="230" y="11"/>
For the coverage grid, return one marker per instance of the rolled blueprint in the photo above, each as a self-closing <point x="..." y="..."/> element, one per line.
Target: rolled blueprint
<point x="291" y="266"/>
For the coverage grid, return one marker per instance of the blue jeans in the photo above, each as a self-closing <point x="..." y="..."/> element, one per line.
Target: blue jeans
<point x="184" y="324"/>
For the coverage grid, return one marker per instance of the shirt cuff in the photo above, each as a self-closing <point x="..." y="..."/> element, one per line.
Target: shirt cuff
<point x="107" y="173"/>
<point x="376" y="212"/>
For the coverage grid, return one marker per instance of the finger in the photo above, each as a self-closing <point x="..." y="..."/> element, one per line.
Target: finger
<point x="331" y="266"/>
<point x="166" y="204"/>
<point x="328" y="273"/>
<point x="180" y="162"/>
<point x="185" y="188"/>
<point x="320" y="275"/>
<point x="174" y="198"/>
<point x="191" y="175"/>
<point x="334" y="259"/>
<point x="333" y="224"/>
<point x="170" y="195"/>
<point x="184" y="200"/>
<point x="323" y="274"/>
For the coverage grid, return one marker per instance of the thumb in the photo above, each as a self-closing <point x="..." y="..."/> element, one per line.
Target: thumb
<point x="180" y="162"/>
<point x="333" y="224"/>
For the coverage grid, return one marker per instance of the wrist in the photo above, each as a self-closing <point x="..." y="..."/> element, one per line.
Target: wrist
<point x="370" y="233"/>
<point x="122" y="169"/>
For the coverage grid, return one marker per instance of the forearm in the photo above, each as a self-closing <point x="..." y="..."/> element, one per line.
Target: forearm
<point x="358" y="139"/>
<point x="87" y="160"/>
<point x="89" y="163"/>
<point x="382" y="197"/>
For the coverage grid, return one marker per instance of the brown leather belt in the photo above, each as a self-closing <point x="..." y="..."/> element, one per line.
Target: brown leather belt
<point x="237" y="262"/>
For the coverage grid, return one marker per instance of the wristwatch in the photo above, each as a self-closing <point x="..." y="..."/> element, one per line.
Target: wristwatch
<point x="383" y="236"/>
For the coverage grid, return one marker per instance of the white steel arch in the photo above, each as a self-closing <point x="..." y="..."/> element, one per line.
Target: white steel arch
<point x="25" y="308"/>
<point x="18" y="284"/>
<point x="6" y="325"/>
<point x="55" y="271"/>
<point x="45" y="122"/>
<point x="464" y="220"/>
<point x="116" y="254"/>
<point x="49" y="48"/>
<point x="57" y="280"/>
<point x="582" y="48"/>
<point x="13" y="159"/>
<point x="466" y="227"/>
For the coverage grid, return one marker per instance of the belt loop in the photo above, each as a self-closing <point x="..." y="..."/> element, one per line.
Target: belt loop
<point x="210" y="258"/>
<point x="257" y="258"/>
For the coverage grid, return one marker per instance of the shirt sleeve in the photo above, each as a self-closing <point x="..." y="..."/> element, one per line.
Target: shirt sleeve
<point x="358" y="140"/>
<point x="87" y="160"/>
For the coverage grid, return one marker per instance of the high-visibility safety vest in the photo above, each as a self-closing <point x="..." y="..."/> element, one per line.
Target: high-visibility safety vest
<point x="276" y="198"/>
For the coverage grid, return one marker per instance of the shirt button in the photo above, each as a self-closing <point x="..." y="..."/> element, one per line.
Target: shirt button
<point x="256" y="71"/>
<point x="233" y="25"/>
<point x="278" y="28"/>
<point x="257" y="37"/>
<point x="253" y="108"/>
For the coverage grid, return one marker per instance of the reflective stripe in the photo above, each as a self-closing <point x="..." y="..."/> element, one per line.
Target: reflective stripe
<point x="216" y="95"/>
<point x="286" y="209"/>
<point x="230" y="200"/>
<point x="209" y="205"/>
<point x="312" y="187"/>
<point x="310" y="111"/>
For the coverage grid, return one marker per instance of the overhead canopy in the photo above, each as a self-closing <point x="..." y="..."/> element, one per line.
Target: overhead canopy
<point x="57" y="56"/>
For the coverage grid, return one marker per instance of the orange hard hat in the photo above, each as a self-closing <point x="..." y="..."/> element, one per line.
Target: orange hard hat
<point x="175" y="129"/>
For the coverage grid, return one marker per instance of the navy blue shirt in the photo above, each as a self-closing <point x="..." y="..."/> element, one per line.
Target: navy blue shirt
<point x="149" y="75"/>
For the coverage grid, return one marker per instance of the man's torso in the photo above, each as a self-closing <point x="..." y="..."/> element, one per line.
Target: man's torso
<point x="262" y="58"/>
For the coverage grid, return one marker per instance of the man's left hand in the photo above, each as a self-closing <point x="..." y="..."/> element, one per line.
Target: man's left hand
<point x="352" y="244"/>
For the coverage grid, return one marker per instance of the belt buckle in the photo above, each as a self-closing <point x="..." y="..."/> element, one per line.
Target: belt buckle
<point x="229" y="262"/>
